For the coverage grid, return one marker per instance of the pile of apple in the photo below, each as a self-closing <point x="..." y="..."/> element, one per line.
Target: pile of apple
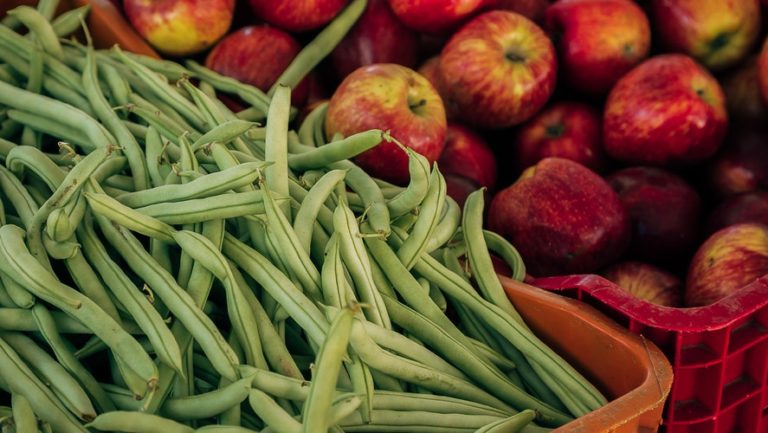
<point x="616" y="137"/>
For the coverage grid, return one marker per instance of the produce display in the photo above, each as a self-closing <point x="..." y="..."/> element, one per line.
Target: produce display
<point x="170" y="265"/>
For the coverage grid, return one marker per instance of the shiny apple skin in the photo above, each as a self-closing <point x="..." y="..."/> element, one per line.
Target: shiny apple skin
<point x="742" y="164"/>
<point x="434" y="16"/>
<point x="647" y="282"/>
<point x="297" y="15"/>
<point x="466" y="154"/>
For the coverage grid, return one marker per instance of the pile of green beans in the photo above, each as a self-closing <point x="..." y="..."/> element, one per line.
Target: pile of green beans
<point x="168" y="265"/>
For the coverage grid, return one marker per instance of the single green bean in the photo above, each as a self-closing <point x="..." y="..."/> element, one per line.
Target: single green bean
<point x="222" y="206"/>
<point x="70" y="21"/>
<point x="513" y="424"/>
<point x="24" y="420"/>
<point x="276" y="150"/>
<point x="38" y="24"/>
<point x="447" y="227"/>
<point x="223" y="133"/>
<point x="418" y="185"/>
<point x="429" y="214"/>
<point x="136" y="422"/>
<point x="307" y="127"/>
<point x="339" y="150"/>
<point x="250" y="94"/>
<point x="273" y="415"/>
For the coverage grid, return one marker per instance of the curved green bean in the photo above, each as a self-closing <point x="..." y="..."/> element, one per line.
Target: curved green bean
<point x="136" y="422"/>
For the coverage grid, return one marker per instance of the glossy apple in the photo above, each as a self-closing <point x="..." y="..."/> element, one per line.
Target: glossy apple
<point x="434" y="16"/>
<point x="717" y="33"/>
<point x="297" y="15"/>
<point x="743" y="102"/>
<point x="430" y="70"/>
<point x="377" y="37"/>
<point x="750" y="207"/>
<point x="466" y="154"/>
<point x="728" y="260"/>
<point x="499" y="69"/>
<point x="459" y="188"/>
<point x="597" y="41"/>
<point x="667" y="110"/>
<point x="663" y="208"/>
<point x="394" y="98"/>
<point x="742" y="165"/>
<point x="568" y="130"/>
<point x="257" y="55"/>
<point x="180" y="27"/>
<point x="531" y="9"/>
<point x="562" y="217"/>
<point x="647" y="282"/>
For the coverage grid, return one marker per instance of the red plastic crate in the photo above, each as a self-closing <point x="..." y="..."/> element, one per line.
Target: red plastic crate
<point x="719" y="353"/>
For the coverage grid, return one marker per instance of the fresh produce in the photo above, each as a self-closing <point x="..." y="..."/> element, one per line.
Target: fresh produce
<point x="466" y="154"/>
<point x="180" y="27"/>
<point x="598" y="41"/>
<point x="727" y="261"/>
<point x="742" y="165"/>
<point x="562" y="217"/>
<point x="499" y="69"/>
<point x="297" y="15"/>
<point x="718" y="34"/>
<point x="377" y="37"/>
<point x="257" y="55"/>
<point x="569" y="130"/>
<point x="430" y="70"/>
<point x="743" y="102"/>
<point x="434" y="16"/>
<point x="395" y="99"/>
<point x="646" y="281"/>
<point x="664" y="210"/>
<point x="750" y="207"/>
<point x="531" y="9"/>
<point x="187" y="267"/>
<point x="667" y="110"/>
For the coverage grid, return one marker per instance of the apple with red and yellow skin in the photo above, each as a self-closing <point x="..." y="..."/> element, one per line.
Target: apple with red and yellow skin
<point x="566" y="129"/>
<point x="499" y="69"/>
<point x="297" y="15"/>
<point x="466" y="154"/>
<point x="743" y="102"/>
<point x="434" y="16"/>
<point x="597" y="41"/>
<point x="430" y="70"/>
<point x="531" y="9"/>
<point x="392" y="98"/>
<point x="663" y="208"/>
<point x="377" y="37"/>
<point x="257" y="55"/>
<point x="750" y="207"/>
<point x="742" y="165"/>
<point x="647" y="282"/>
<point x="728" y="260"/>
<point x="180" y="27"/>
<point x="562" y="217"/>
<point x="667" y="110"/>
<point x="762" y="71"/>
<point x="718" y="34"/>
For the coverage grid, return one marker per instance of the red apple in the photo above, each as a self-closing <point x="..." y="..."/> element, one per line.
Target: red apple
<point x="389" y="97"/>
<point x="466" y="154"/>
<point x="430" y="70"/>
<point x="742" y="100"/>
<point x="459" y="188"/>
<point x="664" y="210"/>
<point x="598" y="41"/>
<point x="762" y="71"/>
<point x="562" y="217"/>
<point x="531" y="9"/>
<point x="742" y="165"/>
<point x="377" y="37"/>
<point x="297" y="15"/>
<point x="257" y="55"/>
<point x="568" y="130"/>
<point x="667" y="110"/>
<point x="751" y="207"/>
<point x="499" y="69"/>
<point x="728" y="260"/>
<point x="647" y="282"/>
<point x="434" y="16"/>
<point x="180" y="27"/>
<point x="717" y="33"/>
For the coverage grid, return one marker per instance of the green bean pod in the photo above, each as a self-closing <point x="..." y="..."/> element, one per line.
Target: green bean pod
<point x="24" y="419"/>
<point x="40" y="26"/>
<point x="340" y="150"/>
<point x="136" y="422"/>
<point x="514" y="424"/>
<point x="311" y="206"/>
<point x="429" y="214"/>
<point x="307" y="128"/>
<point x="70" y="21"/>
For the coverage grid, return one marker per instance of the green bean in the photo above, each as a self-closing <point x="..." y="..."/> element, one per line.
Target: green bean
<point x="307" y="128"/>
<point x="418" y="418"/>
<point x="104" y="205"/>
<point x="223" y="429"/>
<point x="17" y="195"/>
<point x="18" y="294"/>
<point x="34" y="84"/>
<point x="53" y="128"/>
<point x="209" y="185"/>
<point x="312" y="203"/>
<point x="24" y="419"/>
<point x="207" y="405"/>
<point x="447" y="227"/>
<point x="223" y="206"/>
<point x="119" y="89"/>
<point x="114" y="124"/>
<point x="48" y="324"/>
<point x="22" y="380"/>
<point x="336" y="289"/>
<point x="66" y="388"/>
<point x="136" y="422"/>
<point x="70" y="21"/>
<point x="40" y="26"/>
<point x="315" y="411"/>
<point x="6" y="147"/>
<point x="497" y="244"/>
<point x="169" y="69"/>
<point x="154" y="158"/>
<point x="177" y="299"/>
<point x="47" y="8"/>
<point x="223" y="133"/>
<point x="135" y="302"/>
<point x="322" y="45"/>
<point x="272" y="414"/>
<point x="160" y="88"/>
<point x="416" y="191"/>
<point x="8" y="75"/>
<point x="513" y="424"/>
<point x="250" y="94"/>
<point x="165" y="125"/>
<point x="415" y="245"/>
<point x="276" y="175"/>
<point x="375" y="206"/>
<point x="274" y="282"/>
<point x="5" y="300"/>
<point x="18" y="319"/>
<point x="347" y="148"/>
